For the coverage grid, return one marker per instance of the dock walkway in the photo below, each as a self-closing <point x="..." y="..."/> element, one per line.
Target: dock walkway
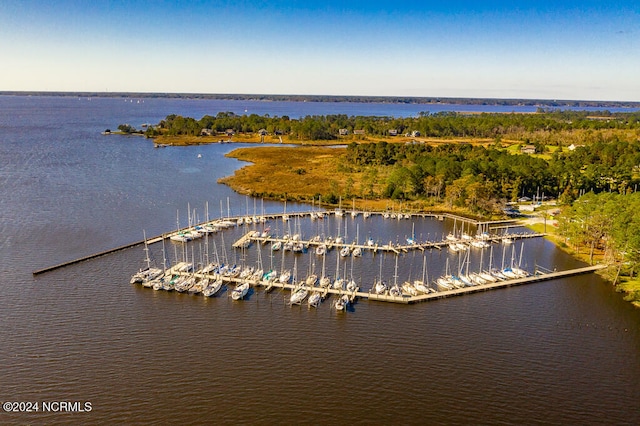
<point x="405" y="299"/>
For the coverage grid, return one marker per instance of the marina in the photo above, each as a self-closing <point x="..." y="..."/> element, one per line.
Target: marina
<point x="213" y="226"/>
<point x="198" y="281"/>
<point x="193" y="280"/>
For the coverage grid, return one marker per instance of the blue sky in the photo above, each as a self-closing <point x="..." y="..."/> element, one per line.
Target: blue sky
<point x="498" y="49"/>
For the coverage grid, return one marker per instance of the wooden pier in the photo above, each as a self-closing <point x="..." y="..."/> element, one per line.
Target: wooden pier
<point x="396" y="248"/>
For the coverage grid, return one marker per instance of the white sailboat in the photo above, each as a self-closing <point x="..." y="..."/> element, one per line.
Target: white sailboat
<point x="325" y="281"/>
<point x="421" y="285"/>
<point x="338" y="283"/>
<point x="214" y="286"/>
<point x="298" y="295"/>
<point x="395" y="289"/>
<point x="148" y="274"/>
<point x="240" y="291"/>
<point x="342" y="302"/>
<point x="314" y="300"/>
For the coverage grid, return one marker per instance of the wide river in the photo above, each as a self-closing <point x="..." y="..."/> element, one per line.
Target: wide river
<point x="556" y="352"/>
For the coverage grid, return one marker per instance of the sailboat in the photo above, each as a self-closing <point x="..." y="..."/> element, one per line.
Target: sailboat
<point x="421" y="285"/>
<point x="298" y="295"/>
<point x="338" y="283"/>
<point x="315" y="299"/>
<point x="240" y="291"/>
<point x="214" y="286"/>
<point x="325" y="281"/>
<point x="379" y="286"/>
<point x="148" y="274"/>
<point x="354" y="213"/>
<point x="351" y="285"/>
<point x="342" y="302"/>
<point x="395" y="290"/>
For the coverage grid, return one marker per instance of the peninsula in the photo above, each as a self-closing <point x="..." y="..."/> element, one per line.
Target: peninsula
<point x="480" y="165"/>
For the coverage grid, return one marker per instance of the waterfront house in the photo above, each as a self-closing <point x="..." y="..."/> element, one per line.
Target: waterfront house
<point x="343" y="132"/>
<point x="528" y="149"/>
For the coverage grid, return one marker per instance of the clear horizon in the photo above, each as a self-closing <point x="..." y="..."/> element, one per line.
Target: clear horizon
<point x="536" y="50"/>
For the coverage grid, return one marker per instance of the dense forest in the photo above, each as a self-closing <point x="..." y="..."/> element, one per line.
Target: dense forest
<point x="479" y="178"/>
<point x="605" y="156"/>
<point x="608" y="222"/>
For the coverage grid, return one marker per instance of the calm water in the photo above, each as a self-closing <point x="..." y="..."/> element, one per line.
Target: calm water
<point x="560" y="352"/>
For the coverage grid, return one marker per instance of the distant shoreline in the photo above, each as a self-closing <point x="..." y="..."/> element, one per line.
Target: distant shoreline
<point x="432" y="100"/>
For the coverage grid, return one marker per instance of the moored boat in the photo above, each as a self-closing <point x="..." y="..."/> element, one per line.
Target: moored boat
<point x="240" y="291"/>
<point x="342" y="302"/>
<point x="298" y="295"/>
<point x="213" y="287"/>
<point x="314" y="300"/>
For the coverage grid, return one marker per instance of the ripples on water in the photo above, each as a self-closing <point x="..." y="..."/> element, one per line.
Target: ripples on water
<point x="559" y="352"/>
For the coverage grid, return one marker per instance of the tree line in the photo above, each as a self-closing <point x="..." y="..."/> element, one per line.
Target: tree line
<point x="525" y="127"/>
<point x="608" y="222"/>
<point x="483" y="178"/>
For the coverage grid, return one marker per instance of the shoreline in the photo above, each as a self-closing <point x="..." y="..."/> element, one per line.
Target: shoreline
<point x="621" y="283"/>
<point x="303" y="179"/>
<point x="420" y="100"/>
